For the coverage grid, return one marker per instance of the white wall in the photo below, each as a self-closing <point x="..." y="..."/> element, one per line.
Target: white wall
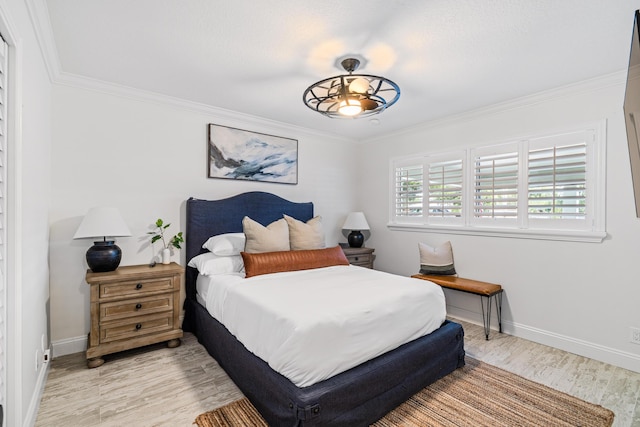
<point x="147" y="158"/>
<point x="582" y="297"/>
<point x="29" y="151"/>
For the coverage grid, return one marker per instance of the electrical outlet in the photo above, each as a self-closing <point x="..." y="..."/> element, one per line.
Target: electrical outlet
<point x="46" y="356"/>
<point x="634" y="335"/>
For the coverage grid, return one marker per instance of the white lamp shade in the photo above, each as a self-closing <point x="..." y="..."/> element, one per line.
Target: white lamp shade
<point x="355" y="221"/>
<point x="102" y="222"/>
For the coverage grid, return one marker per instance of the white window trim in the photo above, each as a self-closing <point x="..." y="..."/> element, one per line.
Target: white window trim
<point x="596" y="234"/>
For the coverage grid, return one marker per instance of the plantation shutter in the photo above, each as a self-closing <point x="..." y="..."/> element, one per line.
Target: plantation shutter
<point x="445" y="189"/>
<point x="409" y="196"/>
<point x="496" y="185"/>
<point x="3" y="225"/>
<point x="557" y="177"/>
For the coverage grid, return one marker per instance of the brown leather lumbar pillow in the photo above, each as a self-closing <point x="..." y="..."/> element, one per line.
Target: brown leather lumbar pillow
<point x="275" y="262"/>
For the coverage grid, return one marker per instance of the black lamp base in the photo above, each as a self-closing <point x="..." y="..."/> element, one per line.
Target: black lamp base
<point x="104" y="256"/>
<point x="355" y="239"/>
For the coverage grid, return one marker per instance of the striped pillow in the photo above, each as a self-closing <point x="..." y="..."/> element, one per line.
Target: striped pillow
<point x="437" y="260"/>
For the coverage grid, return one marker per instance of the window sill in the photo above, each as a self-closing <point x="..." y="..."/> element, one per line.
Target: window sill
<point x="561" y="235"/>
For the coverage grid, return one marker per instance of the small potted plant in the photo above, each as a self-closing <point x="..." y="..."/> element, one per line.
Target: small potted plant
<point x="158" y="234"/>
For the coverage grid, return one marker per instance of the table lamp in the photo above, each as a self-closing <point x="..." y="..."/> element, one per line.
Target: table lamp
<point x="104" y="255"/>
<point x="356" y="222"/>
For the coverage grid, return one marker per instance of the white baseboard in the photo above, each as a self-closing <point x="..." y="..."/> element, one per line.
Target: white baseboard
<point x="36" y="397"/>
<point x="588" y="349"/>
<point x="69" y="346"/>
<point x="609" y="355"/>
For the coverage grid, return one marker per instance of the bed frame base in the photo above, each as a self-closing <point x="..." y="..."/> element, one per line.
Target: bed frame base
<point x="357" y="397"/>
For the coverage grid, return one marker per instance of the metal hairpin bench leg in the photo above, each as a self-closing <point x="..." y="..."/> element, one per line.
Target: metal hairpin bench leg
<point x="499" y="307"/>
<point x="486" y="312"/>
<point x="486" y="315"/>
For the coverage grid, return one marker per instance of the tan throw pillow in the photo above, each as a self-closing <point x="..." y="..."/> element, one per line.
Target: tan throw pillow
<point x="275" y="262"/>
<point x="437" y="260"/>
<point x="273" y="237"/>
<point x="309" y="235"/>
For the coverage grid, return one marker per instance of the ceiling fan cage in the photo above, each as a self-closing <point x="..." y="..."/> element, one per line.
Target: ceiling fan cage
<point x="373" y="94"/>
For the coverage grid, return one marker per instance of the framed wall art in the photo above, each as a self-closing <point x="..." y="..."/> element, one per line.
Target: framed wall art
<point x="253" y="156"/>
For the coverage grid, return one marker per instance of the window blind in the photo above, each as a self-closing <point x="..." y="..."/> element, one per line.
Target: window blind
<point x="547" y="186"/>
<point x="445" y="189"/>
<point x="557" y="182"/>
<point x="409" y="181"/>
<point x="496" y="185"/>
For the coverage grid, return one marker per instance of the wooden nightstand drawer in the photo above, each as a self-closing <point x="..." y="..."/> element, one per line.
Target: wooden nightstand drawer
<point x="131" y="328"/>
<point x="134" y="288"/>
<point x="362" y="257"/>
<point x="110" y="311"/>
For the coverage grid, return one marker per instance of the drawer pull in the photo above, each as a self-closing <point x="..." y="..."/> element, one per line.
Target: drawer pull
<point x="356" y="258"/>
<point x="138" y="306"/>
<point x="139" y="286"/>
<point x="138" y="326"/>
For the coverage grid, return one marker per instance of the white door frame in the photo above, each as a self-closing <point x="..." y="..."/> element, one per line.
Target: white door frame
<point x="13" y="412"/>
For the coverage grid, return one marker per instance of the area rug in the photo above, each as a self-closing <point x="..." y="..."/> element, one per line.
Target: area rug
<point x="477" y="395"/>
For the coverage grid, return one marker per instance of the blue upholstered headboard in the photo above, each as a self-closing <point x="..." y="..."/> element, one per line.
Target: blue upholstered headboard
<point x="206" y="218"/>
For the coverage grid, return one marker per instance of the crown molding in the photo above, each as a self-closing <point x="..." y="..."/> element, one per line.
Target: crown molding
<point x="88" y="83"/>
<point x="39" y="15"/>
<point x="616" y="79"/>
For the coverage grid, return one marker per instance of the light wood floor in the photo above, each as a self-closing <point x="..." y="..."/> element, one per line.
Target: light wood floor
<point x="158" y="386"/>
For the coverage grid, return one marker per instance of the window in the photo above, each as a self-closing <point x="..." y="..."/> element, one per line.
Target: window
<point x="495" y="184"/>
<point x="548" y="186"/>
<point x="445" y="189"/>
<point x="408" y="191"/>
<point x="557" y="180"/>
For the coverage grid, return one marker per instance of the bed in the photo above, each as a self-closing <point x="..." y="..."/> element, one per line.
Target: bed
<point x="358" y="396"/>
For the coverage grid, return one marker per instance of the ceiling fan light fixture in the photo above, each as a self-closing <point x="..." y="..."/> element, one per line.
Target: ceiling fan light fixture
<point x="351" y="95"/>
<point x="350" y="107"/>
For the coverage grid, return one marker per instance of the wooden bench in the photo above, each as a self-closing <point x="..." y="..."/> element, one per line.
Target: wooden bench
<point x="476" y="287"/>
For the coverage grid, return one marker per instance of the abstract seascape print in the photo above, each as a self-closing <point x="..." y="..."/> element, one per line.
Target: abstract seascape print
<point x="240" y="154"/>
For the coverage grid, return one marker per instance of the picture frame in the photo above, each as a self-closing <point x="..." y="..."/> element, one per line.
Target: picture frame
<point x="240" y="154"/>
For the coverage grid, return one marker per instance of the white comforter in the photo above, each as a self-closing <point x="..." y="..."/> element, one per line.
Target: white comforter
<point x="313" y="324"/>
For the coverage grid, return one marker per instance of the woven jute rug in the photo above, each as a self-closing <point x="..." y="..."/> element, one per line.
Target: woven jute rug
<point x="477" y="395"/>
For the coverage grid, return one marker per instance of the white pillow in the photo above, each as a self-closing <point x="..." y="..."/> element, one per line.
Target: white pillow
<point x="225" y="244"/>
<point x="272" y="238"/>
<point x="438" y="260"/>
<point x="304" y="236"/>
<point x="209" y="264"/>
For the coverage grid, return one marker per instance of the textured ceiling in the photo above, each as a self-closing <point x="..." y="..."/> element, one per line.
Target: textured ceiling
<point x="258" y="57"/>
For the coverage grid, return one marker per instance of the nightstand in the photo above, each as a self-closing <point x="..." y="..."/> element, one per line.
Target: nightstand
<point x="133" y="306"/>
<point x="359" y="256"/>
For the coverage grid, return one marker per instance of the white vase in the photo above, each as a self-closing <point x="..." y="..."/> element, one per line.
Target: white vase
<point x="166" y="256"/>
